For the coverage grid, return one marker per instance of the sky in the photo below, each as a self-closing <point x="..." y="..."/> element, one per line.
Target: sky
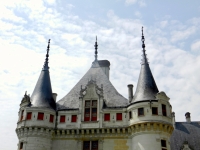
<point x="171" y="30"/>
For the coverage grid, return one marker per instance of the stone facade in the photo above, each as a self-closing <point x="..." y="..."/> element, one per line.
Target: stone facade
<point x="94" y="116"/>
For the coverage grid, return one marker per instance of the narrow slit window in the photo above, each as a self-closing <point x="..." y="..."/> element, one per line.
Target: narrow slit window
<point x="130" y="114"/>
<point x="51" y="118"/>
<point x="163" y="144"/>
<point x="164" y="111"/>
<point x="21" y="146"/>
<point x="22" y="115"/>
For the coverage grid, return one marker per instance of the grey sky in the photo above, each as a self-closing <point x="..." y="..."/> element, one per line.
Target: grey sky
<point x="171" y="30"/>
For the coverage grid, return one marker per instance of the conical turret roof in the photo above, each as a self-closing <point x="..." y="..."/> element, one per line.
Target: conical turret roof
<point x="146" y="87"/>
<point x="42" y="95"/>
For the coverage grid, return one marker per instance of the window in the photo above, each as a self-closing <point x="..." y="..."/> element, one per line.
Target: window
<point x="106" y="117"/>
<point x="51" y="118"/>
<point x="163" y="145"/>
<point x="130" y="115"/>
<point x="21" y="146"/>
<point x="164" y="111"/>
<point x="74" y="118"/>
<point x="90" y="145"/>
<point x="62" y="118"/>
<point x="22" y="115"/>
<point x="40" y="116"/>
<point x="90" y="110"/>
<point x="155" y="110"/>
<point x="119" y="116"/>
<point x="29" y="115"/>
<point x="140" y="111"/>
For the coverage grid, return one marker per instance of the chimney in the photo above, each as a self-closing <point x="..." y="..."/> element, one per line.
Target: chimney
<point x="130" y="92"/>
<point x="187" y="117"/>
<point x="54" y="96"/>
<point x="105" y="66"/>
<point x="173" y="120"/>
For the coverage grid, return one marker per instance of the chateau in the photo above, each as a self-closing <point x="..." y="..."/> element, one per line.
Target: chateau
<point x="94" y="116"/>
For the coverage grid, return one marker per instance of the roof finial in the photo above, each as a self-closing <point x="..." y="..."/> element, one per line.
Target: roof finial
<point x="144" y="59"/>
<point x="45" y="67"/>
<point x="96" y="47"/>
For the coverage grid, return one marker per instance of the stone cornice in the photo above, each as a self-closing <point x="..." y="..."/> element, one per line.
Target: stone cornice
<point x="112" y="132"/>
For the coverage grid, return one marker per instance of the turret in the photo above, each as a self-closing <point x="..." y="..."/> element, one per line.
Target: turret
<point x="37" y="113"/>
<point x="149" y="111"/>
<point x="146" y="87"/>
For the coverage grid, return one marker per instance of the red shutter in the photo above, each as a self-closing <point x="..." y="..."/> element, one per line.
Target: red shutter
<point x="51" y="118"/>
<point x="40" y="116"/>
<point x="94" y="114"/>
<point x="29" y="115"/>
<point x="87" y="114"/>
<point x="119" y="116"/>
<point x="62" y="118"/>
<point x="106" y="117"/>
<point x="74" y="118"/>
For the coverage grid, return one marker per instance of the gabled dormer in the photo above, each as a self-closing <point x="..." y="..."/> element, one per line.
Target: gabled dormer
<point x="91" y="100"/>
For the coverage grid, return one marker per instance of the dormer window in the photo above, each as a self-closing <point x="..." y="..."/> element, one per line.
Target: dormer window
<point x="90" y="110"/>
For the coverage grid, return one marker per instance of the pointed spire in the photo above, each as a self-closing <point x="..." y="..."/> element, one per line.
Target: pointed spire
<point x="146" y="86"/>
<point x="42" y="96"/>
<point x="46" y="67"/>
<point x="144" y="56"/>
<point x="96" y="47"/>
<point x="95" y="63"/>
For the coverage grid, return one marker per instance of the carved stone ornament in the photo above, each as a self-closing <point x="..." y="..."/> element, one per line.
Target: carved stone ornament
<point x="162" y="96"/>
<point x="186" y="146"/>
<point x="25" y="99"/>
<point x="92" y="90"/>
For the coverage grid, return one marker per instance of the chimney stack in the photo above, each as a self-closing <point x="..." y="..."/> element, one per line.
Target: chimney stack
<point x="173" y="120"/>
<point x="130" y="92"/>
<point x="187" y="117"/>
<point x="54" y="96"/>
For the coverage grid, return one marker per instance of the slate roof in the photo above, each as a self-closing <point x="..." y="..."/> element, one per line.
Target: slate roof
<point x="42" y="95"/>
<point x="146" y="86"/>
<point x="185" y="131"/>
<point x="111" y="95"/>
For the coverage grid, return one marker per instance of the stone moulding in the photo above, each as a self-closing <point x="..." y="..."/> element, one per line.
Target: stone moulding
<point x="113" y="132"/>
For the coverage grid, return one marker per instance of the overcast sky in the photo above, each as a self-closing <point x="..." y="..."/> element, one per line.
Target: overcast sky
<point x="171" y="30"/>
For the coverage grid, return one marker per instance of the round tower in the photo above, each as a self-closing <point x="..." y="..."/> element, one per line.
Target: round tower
<point x="37" y="114"/>
<point x="151" y="121"/>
